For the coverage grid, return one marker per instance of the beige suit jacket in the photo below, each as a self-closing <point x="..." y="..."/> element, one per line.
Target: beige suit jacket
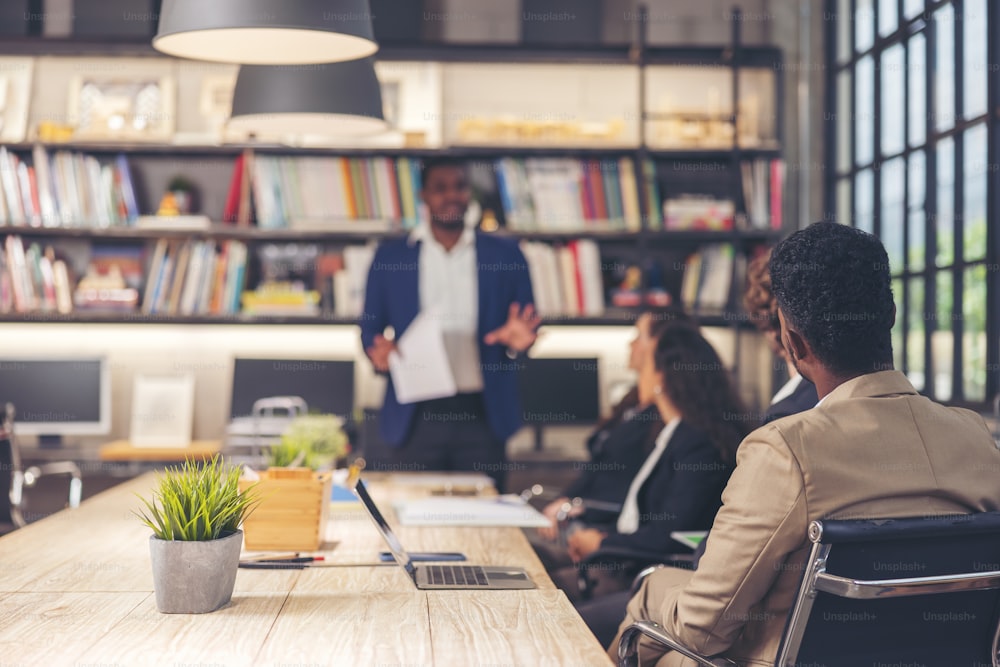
<point x="872" y="448"/>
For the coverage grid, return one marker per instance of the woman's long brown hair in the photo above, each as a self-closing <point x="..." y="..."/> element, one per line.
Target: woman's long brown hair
<point x="700" y="387"/>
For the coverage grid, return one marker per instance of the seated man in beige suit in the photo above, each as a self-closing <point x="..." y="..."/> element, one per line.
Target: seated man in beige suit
<point x="872" y="447"/>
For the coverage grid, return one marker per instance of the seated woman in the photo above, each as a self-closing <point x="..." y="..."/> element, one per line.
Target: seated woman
<point x="798" y="393"/>
<point x="679" y="486"/>
<point x="618" y="445"/>
<point x="604" y="615"/>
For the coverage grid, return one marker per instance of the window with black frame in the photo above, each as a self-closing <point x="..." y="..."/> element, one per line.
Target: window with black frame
<point x="909" y="159"/>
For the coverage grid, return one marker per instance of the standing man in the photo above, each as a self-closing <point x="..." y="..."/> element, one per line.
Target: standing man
<point x="478" y="287"/>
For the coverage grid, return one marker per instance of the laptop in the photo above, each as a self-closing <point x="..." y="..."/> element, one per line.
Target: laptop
<point x="441" y="577"/>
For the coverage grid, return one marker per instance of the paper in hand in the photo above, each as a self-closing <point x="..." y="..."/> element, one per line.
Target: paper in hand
<point x="420" y="370"/>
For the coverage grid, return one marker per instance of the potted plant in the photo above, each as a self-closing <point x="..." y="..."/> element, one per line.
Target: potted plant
<point x="296" y="487"/>
<point x="195" y="515"/>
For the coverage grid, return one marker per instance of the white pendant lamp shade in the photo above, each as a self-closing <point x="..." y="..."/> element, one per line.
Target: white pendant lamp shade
<point x="332" y="99"/>
<point x="266" y="32"/>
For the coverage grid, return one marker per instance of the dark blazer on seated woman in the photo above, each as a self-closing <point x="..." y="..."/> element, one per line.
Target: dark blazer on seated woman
<point x="617" y="450"/>
<point x="798" y="395"/>
<point x="682" y="492"/>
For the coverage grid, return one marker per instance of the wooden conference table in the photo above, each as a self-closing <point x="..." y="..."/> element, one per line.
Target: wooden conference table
<point x="76" y="589"/>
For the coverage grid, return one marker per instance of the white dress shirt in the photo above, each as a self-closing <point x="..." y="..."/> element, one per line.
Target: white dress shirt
<point x="628" y="520"/>
<point x="449" y="288"/>
<point x="787" y="389"/>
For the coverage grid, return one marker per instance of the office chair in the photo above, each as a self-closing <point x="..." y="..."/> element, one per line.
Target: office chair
<point x="860" y="603"/>
<point x="14" y="479"/>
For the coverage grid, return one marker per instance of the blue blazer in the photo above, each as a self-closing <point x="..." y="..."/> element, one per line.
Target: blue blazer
<point x="392" y="298"/>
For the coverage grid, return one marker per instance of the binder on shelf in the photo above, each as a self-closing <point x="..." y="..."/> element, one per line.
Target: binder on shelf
<point x="655" y="221"/>
<point x="566" y="279"/>
<point x="762" y="183"/>
<point x="707" y="279"/>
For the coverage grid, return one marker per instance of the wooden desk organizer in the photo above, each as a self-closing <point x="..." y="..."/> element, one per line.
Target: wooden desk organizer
<point x="293" y="510"/>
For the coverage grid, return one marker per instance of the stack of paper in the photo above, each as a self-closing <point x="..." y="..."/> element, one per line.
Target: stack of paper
<point x="452" y="511"/>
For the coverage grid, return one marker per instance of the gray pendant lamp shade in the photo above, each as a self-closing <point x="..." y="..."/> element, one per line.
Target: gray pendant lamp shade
<point x="333" y="99"/>
<point x="266" y="32"/>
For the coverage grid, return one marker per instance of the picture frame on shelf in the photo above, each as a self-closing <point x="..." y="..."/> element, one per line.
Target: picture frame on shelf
<point x="215" y="104"/>
<point x="15" y="95"/>
<point x="112" y="108"/>
<point x="162" y="410"/>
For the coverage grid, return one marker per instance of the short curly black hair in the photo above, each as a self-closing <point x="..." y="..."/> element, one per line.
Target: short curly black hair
<point x="431" y="163"/>
<point x="832" y="284"/>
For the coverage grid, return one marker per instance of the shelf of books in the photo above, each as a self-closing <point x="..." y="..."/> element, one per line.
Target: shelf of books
<point x="177" y="219"/>
<point x="76" y="241"/>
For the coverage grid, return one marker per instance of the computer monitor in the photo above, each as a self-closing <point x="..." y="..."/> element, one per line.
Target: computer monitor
<point x="57" y="396"/>
<point x="559" y="392"/>
<point x="326" y="385"/>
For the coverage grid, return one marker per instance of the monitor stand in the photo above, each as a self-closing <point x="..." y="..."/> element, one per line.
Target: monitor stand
<point x="50" y="441"/>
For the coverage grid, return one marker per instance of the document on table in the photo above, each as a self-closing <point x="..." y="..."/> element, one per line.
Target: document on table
<point x="457" y="511"/>
<point x="690" y="538"/>
<point x="420" y="370"/>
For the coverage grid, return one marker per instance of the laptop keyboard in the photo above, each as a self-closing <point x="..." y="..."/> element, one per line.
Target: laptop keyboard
<point x="456" y="575"/>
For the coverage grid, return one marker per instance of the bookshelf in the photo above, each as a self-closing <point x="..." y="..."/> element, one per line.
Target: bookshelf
<point x="639" y="128"/>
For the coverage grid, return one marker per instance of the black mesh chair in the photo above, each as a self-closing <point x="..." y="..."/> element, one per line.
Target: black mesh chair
<point x="14" y="479"/>
<point x="922" y="591"/>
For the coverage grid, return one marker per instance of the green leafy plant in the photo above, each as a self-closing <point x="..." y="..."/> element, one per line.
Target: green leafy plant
<point x="197" y="502"/>
<point x="310" y="441"/>
<point x="180" y="183"/>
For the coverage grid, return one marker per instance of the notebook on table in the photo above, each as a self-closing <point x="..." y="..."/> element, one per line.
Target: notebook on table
<point x="439" y="577"/>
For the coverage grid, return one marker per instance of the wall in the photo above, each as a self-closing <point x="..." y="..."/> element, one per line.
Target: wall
<point x="207" y="352"/>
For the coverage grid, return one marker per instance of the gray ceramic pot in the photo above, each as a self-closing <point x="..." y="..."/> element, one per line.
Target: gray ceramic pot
<point x="194" y="577"/>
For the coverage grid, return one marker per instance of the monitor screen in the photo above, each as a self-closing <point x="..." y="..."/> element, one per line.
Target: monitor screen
<point x="57" y="396"/>
<point x="326" y="386"/>
<point x="556" y="391"/>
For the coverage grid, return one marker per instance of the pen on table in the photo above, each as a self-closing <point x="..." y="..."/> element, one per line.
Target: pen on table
<point x="285" y="559"/>
<point x="303" y="566"/>
<point x="277" y="565"/>
<point x="269" y="557"/>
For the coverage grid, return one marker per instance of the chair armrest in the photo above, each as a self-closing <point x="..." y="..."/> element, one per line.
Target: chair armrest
<point x="644" y="559"/>
<point x="628" y="649"/>
<point x="606" y="554"/>
<point x="32" y="474"/>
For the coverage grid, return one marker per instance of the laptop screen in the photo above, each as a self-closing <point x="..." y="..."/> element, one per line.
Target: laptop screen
<point x="398" y="552"/>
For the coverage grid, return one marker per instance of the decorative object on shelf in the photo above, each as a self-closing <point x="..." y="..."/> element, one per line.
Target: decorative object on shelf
<point x="50" y="132"/>
<point x="15" y="95"/>
<point x="296" y="498"/>
<point x="107" y="107"/>
<point x="183" y="192"/>
<point x="195" y="514"/>
<point x="215" y="103"/>
<point x="266" y="31"/>
<point x="628" y="294"/>
<point x="176" y="210"/>
<point x="281" y="298"/>
<point x="332" y="99"/>
<point x="105" y="291"/>
<point x="698" y="212"/>
<point x="162" y="410"/>
<point x="509" y="129"/>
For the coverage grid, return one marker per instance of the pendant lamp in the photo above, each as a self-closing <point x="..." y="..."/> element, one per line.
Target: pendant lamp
<point x="331" y="99"/>
<point x="264" y="32"/>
